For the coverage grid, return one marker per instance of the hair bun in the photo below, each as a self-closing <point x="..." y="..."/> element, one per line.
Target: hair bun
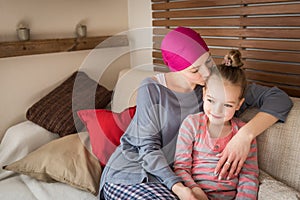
<point x="233" y="59"/>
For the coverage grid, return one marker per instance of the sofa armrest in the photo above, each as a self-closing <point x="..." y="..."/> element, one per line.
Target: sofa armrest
<point x="271" y="188"/>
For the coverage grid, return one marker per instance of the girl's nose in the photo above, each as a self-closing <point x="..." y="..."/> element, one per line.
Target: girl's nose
<point x="218" y="108"/>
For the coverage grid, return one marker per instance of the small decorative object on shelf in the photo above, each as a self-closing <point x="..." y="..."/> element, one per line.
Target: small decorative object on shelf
<point x="23" y="33"/>
<point x="81" y="30"/>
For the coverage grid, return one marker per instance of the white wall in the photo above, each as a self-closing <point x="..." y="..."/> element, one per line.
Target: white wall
<point x="140" y="33"/>
<point x="24" y="79"/>
<point x="57" y="18"/>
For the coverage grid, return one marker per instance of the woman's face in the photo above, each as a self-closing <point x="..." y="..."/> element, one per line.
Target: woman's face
<point x="221" y="99"/>
<point x="199" y="71"/>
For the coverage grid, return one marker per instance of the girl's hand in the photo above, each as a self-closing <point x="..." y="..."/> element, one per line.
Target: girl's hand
<point x="233" y="156"/>
<point x="182" y="192"/>
<point x="198" y="192"/>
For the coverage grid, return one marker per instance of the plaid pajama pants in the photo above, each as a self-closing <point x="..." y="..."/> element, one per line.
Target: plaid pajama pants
<point x="143" y="191"/>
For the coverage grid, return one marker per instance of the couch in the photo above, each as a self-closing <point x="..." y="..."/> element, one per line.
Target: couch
<point x="279" y="159"/>
<point x="278" y="146"/>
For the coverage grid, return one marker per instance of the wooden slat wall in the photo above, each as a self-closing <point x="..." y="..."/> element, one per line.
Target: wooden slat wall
<point x="267" y="32"/>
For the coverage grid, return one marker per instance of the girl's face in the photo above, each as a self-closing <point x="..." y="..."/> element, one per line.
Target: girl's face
<point x="199" y="71"/>
<point x="221" y="99"/>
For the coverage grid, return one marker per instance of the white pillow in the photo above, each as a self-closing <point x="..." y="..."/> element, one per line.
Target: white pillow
<point x="125" y="92"/>
<point x="19" y="140"/>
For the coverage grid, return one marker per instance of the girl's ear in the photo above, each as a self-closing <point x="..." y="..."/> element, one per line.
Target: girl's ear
<point x="240" y="103"/>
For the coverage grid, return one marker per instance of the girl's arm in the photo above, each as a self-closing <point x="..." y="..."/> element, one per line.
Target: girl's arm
<point x="184" y="160"/>
<point x="248" y="179"/>
<point x="274" y="105"/>
<point x="183" y="154"/>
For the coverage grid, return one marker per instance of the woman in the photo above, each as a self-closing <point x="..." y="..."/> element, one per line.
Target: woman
<point x="140" y="166"/>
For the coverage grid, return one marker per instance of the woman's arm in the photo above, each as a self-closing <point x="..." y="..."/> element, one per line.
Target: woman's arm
<point x="183" y="192"/>
<point x="142" y="140"/>
<point x="269" y="100"/>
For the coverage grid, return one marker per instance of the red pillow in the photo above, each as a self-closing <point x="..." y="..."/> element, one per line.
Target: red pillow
<point x="105" y="129"/>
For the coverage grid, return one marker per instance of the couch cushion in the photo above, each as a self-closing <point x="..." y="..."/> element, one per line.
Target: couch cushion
<point x="270" y="188"/>
<point x="67" y="160"/>
<point x="105" y="129"/>
<point x="279" y="149"/>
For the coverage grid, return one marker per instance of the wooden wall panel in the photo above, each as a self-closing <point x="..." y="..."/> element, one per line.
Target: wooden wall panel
<point x="267" y="32"/>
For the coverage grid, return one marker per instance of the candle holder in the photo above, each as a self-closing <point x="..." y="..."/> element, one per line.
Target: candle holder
<point x="23" y="33"/>
<point x="81" y="31"/>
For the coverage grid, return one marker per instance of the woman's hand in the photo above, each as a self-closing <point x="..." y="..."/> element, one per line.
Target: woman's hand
<point x="182" y="192"/>
<point x="237" y="150"/>
<point x="198" y="192"/>
<point x="233" y="156"/>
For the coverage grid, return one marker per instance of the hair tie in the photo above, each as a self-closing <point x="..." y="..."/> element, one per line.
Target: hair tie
<point x="227" y="61"/>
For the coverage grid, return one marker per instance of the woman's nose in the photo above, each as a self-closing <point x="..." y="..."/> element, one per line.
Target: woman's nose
<point x="204" y="71"/>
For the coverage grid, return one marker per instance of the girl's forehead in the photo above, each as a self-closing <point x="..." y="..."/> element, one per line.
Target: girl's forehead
<point x="215" y="84"/>
<point x="222" y="89"/>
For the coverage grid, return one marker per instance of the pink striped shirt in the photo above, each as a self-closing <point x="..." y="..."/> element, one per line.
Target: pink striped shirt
<point x="195" y="161"/>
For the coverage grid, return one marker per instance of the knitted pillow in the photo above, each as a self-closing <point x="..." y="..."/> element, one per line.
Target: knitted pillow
<point x="56" y="111"/>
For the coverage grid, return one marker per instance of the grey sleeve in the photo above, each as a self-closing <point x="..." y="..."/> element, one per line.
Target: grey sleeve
<point x="271" y="100"/>
<point x="142" y="141"/>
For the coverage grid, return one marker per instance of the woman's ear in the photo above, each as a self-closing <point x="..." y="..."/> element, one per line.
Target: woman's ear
<point x="240" y="103"/>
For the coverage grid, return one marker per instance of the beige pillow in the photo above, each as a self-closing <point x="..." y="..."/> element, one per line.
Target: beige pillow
<point x="64" y="160"/>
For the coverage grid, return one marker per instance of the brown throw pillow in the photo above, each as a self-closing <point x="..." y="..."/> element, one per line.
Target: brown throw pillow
<point x="64" y="160"/>
<point x="56" y="111"/>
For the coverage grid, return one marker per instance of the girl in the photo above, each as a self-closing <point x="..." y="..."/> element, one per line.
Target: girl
<point x="204" y="135"/>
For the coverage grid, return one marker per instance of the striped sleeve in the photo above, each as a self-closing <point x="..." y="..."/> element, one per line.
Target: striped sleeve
<point x="248" y="178"/>
<point x="184" y="149"/>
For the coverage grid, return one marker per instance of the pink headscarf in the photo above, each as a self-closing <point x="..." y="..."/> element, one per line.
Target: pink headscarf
<point x="181" y="47"/>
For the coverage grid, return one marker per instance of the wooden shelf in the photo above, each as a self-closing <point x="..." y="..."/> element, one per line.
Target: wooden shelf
<point x="31" y="47"/>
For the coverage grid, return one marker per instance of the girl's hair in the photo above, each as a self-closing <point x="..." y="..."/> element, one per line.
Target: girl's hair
<point x="232" y="73"/>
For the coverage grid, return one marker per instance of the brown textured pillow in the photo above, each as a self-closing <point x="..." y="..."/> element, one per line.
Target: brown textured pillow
<point x="64" y="160"/>
<point x="56" y="111"/>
